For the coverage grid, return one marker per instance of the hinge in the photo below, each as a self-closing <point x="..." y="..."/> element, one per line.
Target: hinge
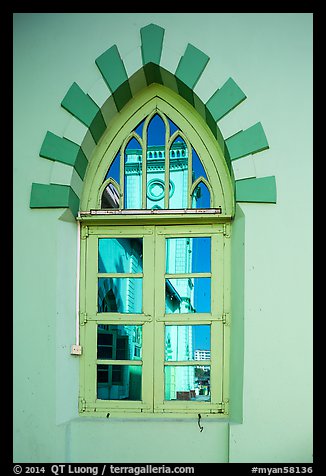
<point x="84" y="232"/>
<point x="223" y="407"/>
<point x="226" y="230"/>
<point x="226" y="318"/>
<point x="82" y="318"/>
<point x="82" y="405"/>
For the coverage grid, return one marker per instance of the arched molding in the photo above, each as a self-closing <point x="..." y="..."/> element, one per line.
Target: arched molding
<point x="123" y="90"/>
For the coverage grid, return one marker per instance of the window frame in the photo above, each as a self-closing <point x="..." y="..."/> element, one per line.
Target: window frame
<point x="151" y="100"/>
<point x="143" y="106"/>
<point x="153" y="404"/>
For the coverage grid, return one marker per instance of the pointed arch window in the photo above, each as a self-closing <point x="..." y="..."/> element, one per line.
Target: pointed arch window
<point x="155" y="153"/>
<point x="155" y="217"/>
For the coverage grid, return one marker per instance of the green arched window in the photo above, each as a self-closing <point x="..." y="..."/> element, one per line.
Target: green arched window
<point x="155" y="279"/>
<point x="155" y="153"/>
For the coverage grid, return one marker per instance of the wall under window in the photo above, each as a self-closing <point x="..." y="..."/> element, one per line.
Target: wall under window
<point x="273" y="242"/>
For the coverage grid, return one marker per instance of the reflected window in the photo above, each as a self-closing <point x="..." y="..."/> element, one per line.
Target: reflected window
<point x="156" y="136"/>
<point x="119" y="382"/>
<point x="119" y="342"/>
<point x="187" y="295"/>
<point x="122" y="295"/>
<point x="120" y="255"/>
<point x="179" y="173"/>
<point x="133" y="175"/>
<point x="187" y="382"/>
<point x="183" y="343"/>
<point x="201" y="197"/>
<point x="188" y="255"/>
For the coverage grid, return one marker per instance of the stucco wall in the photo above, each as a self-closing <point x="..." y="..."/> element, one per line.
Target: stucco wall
<point x="270" y="57"/>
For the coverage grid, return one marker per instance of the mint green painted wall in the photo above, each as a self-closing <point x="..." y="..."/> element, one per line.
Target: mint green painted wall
<point x="269" y="55"/>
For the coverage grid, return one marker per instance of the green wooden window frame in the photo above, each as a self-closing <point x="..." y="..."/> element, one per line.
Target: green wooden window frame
<point x="154" y="228"/>
<point x="153" y="320"/>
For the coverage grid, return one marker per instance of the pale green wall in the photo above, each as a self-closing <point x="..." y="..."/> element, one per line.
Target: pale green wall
<point x="270" y="57"/>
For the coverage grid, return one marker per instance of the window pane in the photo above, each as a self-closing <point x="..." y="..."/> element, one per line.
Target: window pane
<point x="120" y="255"/>
<point x="197" y="167"/>
<point x="114" y="169"/>
<point x="133" y="175"/>
<point x="139" y="128"/>
<point x="120" y="295"/>
<point x="120" y="342"/>
<point x="187" y="342"/>
<point x="155" y="162"/>
<point x="110" y="197"/>
<point x="179" y="173"/>
<point x="187" y="383"/>
<point x="173" y="127"/>
<point x="187" y="295"/>
<point x="200" y="197"/>
<point x="119" y="382"/>
<point x="188" y="255"/>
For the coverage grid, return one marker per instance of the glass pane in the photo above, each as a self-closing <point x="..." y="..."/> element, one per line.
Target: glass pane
<point x="120" y="255"/>
<point x="187" y="382"/>
<point x="120" y="342"/>
<point x="179" y="173"/>
<point x="139" y="128"/>
<point x="114" y="169"/>
<point x="133" y="175"/>
<point x="187" y="295"/>
<point x="120" y="295"/>
<point x="155" y="162"/>
<point x="119" y="382"/>
<point x="188" y="255"/>
<point x="200" y="197"/>
<point x="173" y="127"/>
<point x="187" y="342"/>
<point x="110" y="197"/>
<point x="197" y="167"/>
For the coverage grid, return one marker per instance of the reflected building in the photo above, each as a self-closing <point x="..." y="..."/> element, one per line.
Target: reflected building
<point x="124" y="295"/>
<point x="155" y="176"/>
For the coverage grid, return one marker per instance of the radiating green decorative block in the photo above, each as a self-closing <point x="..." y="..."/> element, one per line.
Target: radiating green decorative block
<point x="63" y="150"/>
<point x="225" y="99"/>
<point x="191" y="66"/>
<point x="261" y="190"/>
<point x="151" y="43"/>
<point x="249" y="141"/>
<point x="54" y="196"/>
<point x="84" y="109"/>
<point x="152" y="73"/>
<point x="114" y="74"/>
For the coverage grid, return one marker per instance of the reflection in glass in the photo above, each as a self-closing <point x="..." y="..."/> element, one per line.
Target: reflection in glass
<point x="200" y="197"/>
<point x="188" y="255"/>
<point x="110" y="197"/>
<point x="179" y="173"/>
<point x="114" y="169"/>
<point x="155" y="162"/>
<point x="119" y="382"/>
<point x="119" y="342"/>
<point x="120" y="295"/>
<point x="197" y="167"/>
<point x="187" y="342"/>
<point x="187" y="295"/>
<point x="133" y="175"/>
<point x="187" y="382"/>
<point x="120" y="255"/>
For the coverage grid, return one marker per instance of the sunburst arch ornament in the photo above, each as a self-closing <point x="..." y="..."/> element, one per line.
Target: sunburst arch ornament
<point x="71" y="156"/>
